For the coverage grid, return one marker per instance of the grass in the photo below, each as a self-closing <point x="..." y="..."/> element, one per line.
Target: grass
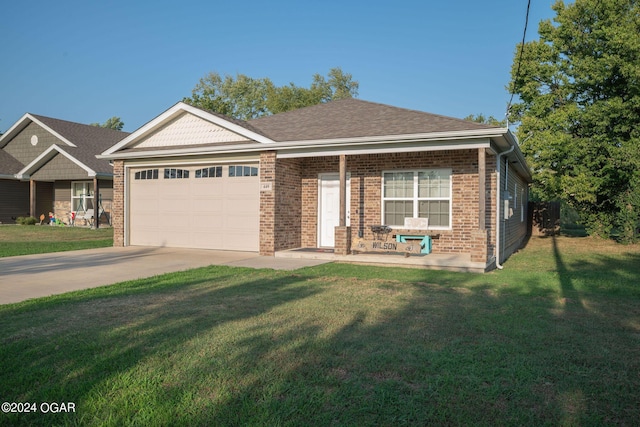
<point x="25" y="239"/>
<point x="553" y="339"/>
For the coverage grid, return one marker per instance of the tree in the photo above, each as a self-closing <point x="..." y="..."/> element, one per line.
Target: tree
<point x="246" y="98"/>
<point x="480" y="118"/>
<point x="579" y="90"/>
<point x="112" y="123"/>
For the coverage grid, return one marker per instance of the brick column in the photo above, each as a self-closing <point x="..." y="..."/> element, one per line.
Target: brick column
<point x="267" y="203"/>
<point x="117" y="207"/>
<point x="479" y="245"/>
<point x="342" y="240"/>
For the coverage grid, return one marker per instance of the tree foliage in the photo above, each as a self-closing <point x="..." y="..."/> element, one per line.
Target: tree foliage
<point x="246" y="98"/>
<point x="112" y="123"/>
<point x="481" y="118"/>
<point x="579" y="102"/>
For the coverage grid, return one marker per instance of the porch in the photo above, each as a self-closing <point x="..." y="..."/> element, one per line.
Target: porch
<point x="450" y="262"/>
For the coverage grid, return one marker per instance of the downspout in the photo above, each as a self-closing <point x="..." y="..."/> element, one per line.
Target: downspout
<point x="498" y="207"/>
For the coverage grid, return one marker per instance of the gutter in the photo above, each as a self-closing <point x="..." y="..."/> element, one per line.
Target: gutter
<point x="498" y="207"/>
<point x="339" y="144"/>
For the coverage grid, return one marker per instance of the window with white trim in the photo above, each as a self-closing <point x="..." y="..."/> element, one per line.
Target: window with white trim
<point x="423" y="193"/>
<point x="81" y="196"/>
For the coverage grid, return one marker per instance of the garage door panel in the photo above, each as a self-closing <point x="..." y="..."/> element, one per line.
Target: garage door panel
<point x="208" y="213"/>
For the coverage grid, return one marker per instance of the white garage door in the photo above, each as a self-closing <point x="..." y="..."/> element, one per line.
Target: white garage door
<point x="208" y="207"/>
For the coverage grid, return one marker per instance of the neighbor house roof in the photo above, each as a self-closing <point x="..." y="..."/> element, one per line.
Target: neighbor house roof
<point x="79" y="142"/>
<point x="9" y="165"/>
<point x="88" y="140"/>
<point x="354" y="118"/>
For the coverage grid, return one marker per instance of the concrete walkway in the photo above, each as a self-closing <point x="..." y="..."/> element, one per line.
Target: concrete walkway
<point x="33" y="276"/>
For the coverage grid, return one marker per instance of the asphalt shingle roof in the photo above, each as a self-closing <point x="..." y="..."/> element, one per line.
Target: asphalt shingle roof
<point x="9" y="165"/>
<point x="353" y="118"/>
<point x="90" y="141"/>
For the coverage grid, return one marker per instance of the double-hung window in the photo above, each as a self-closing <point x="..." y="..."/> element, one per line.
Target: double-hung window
<point x="423" y="193"/>
<point x="81" y="196"/>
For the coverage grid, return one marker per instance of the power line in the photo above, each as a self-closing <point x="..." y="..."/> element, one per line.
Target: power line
<point x="524" y="35"/>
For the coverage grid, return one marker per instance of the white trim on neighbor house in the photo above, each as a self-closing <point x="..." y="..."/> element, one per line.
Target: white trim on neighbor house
<point x="44" y="158"/>
<point x="20" y="125"/>
<point x="173" y="113"/>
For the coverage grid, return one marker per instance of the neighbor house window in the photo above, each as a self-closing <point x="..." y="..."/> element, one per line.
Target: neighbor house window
<point x="147" y="174"/>
<point x="243" y="171"/>
<point x="176" y="173"/>
<point x="212" y="172"/>
<point x="424" y="193"/>
<point x="81" y="196"/>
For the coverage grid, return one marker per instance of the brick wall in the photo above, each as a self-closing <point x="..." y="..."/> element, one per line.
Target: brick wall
<point x="366" y="199"/>
<point x="280" y="207"/>
<point x="117" y="219"/>
<point x="288" y="207"/>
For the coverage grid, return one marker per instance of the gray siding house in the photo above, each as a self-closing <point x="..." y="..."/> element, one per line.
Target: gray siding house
<point x="49" y="165"/>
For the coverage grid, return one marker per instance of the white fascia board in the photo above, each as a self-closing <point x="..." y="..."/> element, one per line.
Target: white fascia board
<point x="385" y="148"/>
<point x="13" y="130"/>
<point x="47" y="155"/>
<point x="21" y="124"/>
<point x="173" y="112"/>
<point x="447" y="140"/>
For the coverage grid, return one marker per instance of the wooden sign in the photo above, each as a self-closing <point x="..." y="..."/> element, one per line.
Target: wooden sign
<point x="362" y="245"/>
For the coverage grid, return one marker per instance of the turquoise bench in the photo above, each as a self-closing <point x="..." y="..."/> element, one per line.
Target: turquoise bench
<point x="425" y="241"/>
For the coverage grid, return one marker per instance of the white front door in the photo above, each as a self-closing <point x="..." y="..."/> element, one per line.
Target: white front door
<point x="329" y="207"/>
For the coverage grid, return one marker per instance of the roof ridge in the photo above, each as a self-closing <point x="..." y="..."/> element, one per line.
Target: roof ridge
<point x="69" y="122"/>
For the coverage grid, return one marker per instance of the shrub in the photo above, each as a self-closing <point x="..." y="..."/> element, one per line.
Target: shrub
<point x="26" y="220"/>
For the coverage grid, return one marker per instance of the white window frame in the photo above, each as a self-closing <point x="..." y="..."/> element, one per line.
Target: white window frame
<point x="87" y="196"/>
<point x="415" y="197"/>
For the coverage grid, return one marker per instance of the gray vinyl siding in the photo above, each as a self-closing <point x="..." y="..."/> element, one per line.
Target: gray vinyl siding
<point x="514" y="228"/>
<point x="44" y="199"/>
<point x="14" y="200"/>
<point x="20" y="147"/>
<point x="60" y="168"/>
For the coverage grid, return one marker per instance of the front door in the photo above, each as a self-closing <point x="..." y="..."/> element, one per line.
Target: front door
<point x="329" y="207"/>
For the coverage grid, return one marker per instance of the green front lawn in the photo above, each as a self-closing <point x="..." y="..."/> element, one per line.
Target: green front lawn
<point x="554" y="339"/>
<point x="37" y="239"/>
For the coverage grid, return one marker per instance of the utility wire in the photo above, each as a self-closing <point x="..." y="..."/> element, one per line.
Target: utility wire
<point x="524" y="35"/>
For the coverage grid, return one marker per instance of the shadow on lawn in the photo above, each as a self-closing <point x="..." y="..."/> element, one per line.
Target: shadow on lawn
<point x="270" y="348"/>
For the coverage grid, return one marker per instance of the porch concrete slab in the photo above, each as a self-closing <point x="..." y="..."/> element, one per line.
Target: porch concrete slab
<point x="451" y="262"/>
<point x="33" y="276"/>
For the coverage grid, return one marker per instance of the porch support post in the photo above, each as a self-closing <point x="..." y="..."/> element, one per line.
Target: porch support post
<point x="32" y="198"/>
<point x="96" y="202"/>
<point x="482" y="189"/>
<point x="343" y="190"/>
<point x="342" y="234"/>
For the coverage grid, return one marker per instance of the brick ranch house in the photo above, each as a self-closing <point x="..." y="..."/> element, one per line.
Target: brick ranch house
<point x="50" y="165"/>
<point x="320" y="177"/>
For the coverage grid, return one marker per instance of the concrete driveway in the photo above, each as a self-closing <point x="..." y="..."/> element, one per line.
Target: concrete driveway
<point x="33" y="276"/>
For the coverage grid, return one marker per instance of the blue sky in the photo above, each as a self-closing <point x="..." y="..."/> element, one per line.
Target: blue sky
<point x="87" y="61"/>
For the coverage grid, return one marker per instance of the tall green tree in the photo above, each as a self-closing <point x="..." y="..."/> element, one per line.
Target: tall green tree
<point x="246" y="98"/>
<point x="579" y="104"/>
<point x="112" y="123"/>
<point x="481" y="118"/>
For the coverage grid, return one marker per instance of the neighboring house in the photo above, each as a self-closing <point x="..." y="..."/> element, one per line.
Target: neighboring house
<point x="193" y="178"/>
<point x="50" y="166"/>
